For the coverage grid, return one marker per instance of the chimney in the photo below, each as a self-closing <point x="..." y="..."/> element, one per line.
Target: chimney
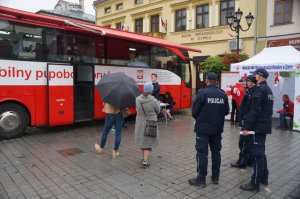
<point x="81" y="2"/>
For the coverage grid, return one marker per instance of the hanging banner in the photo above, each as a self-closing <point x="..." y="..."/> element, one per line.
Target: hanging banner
<point x="296" y="125"/>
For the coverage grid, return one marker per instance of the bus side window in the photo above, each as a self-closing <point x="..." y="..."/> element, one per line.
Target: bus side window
<point x="127" y="53"/>
<point x="5" y="48"/>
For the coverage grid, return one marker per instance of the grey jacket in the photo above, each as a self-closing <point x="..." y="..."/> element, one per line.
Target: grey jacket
<point x="151" y="107"/>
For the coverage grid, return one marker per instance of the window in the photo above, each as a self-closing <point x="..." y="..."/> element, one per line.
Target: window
<point x="127" y="53"/>
<point x="119" y="26"/>
<point x="155" y="23"/>
<point x="226" y="8"/>
<point x="119" y="6"/>
<point x="138" y="1"/>
<point x="25" y="42"/>
<point x="283" y="11"/>
<point x="202" y="16"/>
<point x="65" y="46"/>
<point x="163" y="58"/>
<point x="180" y="20"/>
<point x="107" y="10"/>
<point x="139" y="25"/>
<point x="21" y="41"/>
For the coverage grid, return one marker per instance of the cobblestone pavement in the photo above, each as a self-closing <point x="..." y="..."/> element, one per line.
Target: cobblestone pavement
<point x="61" y="162"/>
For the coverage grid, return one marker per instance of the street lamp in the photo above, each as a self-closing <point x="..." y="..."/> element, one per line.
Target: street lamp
<point x="234" y="22"/>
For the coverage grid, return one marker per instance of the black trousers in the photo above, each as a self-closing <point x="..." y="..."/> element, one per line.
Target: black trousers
<point x="256" y="148"/>
<point x="234" y="112"/>
<point x="244" y="155"/>
<point x="202" y="142"/>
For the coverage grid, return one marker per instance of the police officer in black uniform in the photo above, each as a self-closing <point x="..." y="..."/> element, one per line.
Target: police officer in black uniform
<point x="209" y="109"/>
<point x="244" y="158"/>
<point x="258" y="120"/>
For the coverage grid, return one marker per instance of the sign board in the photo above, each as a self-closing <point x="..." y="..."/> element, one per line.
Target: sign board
<point x="295" y="42"/>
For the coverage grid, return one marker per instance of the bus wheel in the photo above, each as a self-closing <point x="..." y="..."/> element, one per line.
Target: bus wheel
<point x="13" y="121"/>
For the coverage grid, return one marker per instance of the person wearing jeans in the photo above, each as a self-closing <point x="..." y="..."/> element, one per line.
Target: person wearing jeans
<point x="287" y="111"/>
<point x="113" y="117"/>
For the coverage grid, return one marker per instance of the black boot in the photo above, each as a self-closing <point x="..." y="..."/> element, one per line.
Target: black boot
<point x="265" y="182"/>
<point x="215" y="180"/>
<point x="195" y="182"/>
<point x="249" y="187"/>
<point x="237" y="165"/>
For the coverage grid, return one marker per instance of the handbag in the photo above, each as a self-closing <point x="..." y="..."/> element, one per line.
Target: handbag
<point x="151" y="126"/>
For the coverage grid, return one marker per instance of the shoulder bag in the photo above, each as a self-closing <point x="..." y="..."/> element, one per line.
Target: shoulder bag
<point x="151" y="126"/>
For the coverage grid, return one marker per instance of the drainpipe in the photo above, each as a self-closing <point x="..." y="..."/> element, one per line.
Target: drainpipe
<point x="255" y="27"/>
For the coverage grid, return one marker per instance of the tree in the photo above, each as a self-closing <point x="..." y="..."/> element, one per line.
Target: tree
<point x="213" y="64"/>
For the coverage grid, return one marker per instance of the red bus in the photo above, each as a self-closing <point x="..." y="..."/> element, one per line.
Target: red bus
<point x="49" y="67"/>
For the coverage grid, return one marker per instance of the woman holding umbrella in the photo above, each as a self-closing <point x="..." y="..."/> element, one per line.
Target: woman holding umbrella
<point x="118" y="91"/>
<point x="113" y="116"/>
<point x="147" y="109"/>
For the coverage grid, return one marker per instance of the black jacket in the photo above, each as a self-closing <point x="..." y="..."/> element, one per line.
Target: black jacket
<point x="259" y="116"/>
<point x="209" y="109"/>
<point x="245" y="105"/>
<point x="156" y="90"/>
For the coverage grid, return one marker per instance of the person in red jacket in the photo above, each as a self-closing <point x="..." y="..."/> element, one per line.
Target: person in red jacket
<point x="287" y="111"/>
<point x="240" y="94"/>
<point x="237" y="92"/>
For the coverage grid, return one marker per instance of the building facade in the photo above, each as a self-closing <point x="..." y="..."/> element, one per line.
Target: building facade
<point x="282" y="24"/>
<point x="198" y="23"/>
<point x="70" y="10"/>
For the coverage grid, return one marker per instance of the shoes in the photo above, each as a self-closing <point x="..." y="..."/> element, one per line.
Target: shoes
<point x="265" y="182"/>
<point x="99" y="149"/>
<point x="231" y="123"/>
<point x="195" y="182"/>
<point x="237" y="165"/>
<point x="113" y="130"/>
<point x="249" y="187"/>
<point x="146" y="164"/>
<point x="215" y="180"/>
<point x="115" y="154"/>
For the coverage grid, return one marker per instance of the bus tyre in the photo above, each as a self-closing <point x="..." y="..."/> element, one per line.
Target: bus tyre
<point x="13" y="121"/>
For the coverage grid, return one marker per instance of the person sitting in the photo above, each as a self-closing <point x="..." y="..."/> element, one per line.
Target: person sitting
<point x="287" y="111"/>
<point x="169" y="106"/>
<point x="136" y="60"/>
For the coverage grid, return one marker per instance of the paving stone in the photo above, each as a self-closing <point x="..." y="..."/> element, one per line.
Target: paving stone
<point x="32" y="167"/>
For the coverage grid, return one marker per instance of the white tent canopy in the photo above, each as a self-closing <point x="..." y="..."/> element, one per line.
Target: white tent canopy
<point x="276" y="60"/>
<point x="285" y="58"/>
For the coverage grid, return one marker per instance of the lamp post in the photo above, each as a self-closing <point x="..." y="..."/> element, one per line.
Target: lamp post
<point x="234" y="23"/>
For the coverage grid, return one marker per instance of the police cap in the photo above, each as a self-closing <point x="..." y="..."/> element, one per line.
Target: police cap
<point x="211" y="76"/>
<point x="251" y="78"/>
<point x="262" y="72"/>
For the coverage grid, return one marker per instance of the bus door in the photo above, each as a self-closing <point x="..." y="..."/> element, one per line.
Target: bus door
<point x="60" y="94"/>
<point x="83" y="92"/>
